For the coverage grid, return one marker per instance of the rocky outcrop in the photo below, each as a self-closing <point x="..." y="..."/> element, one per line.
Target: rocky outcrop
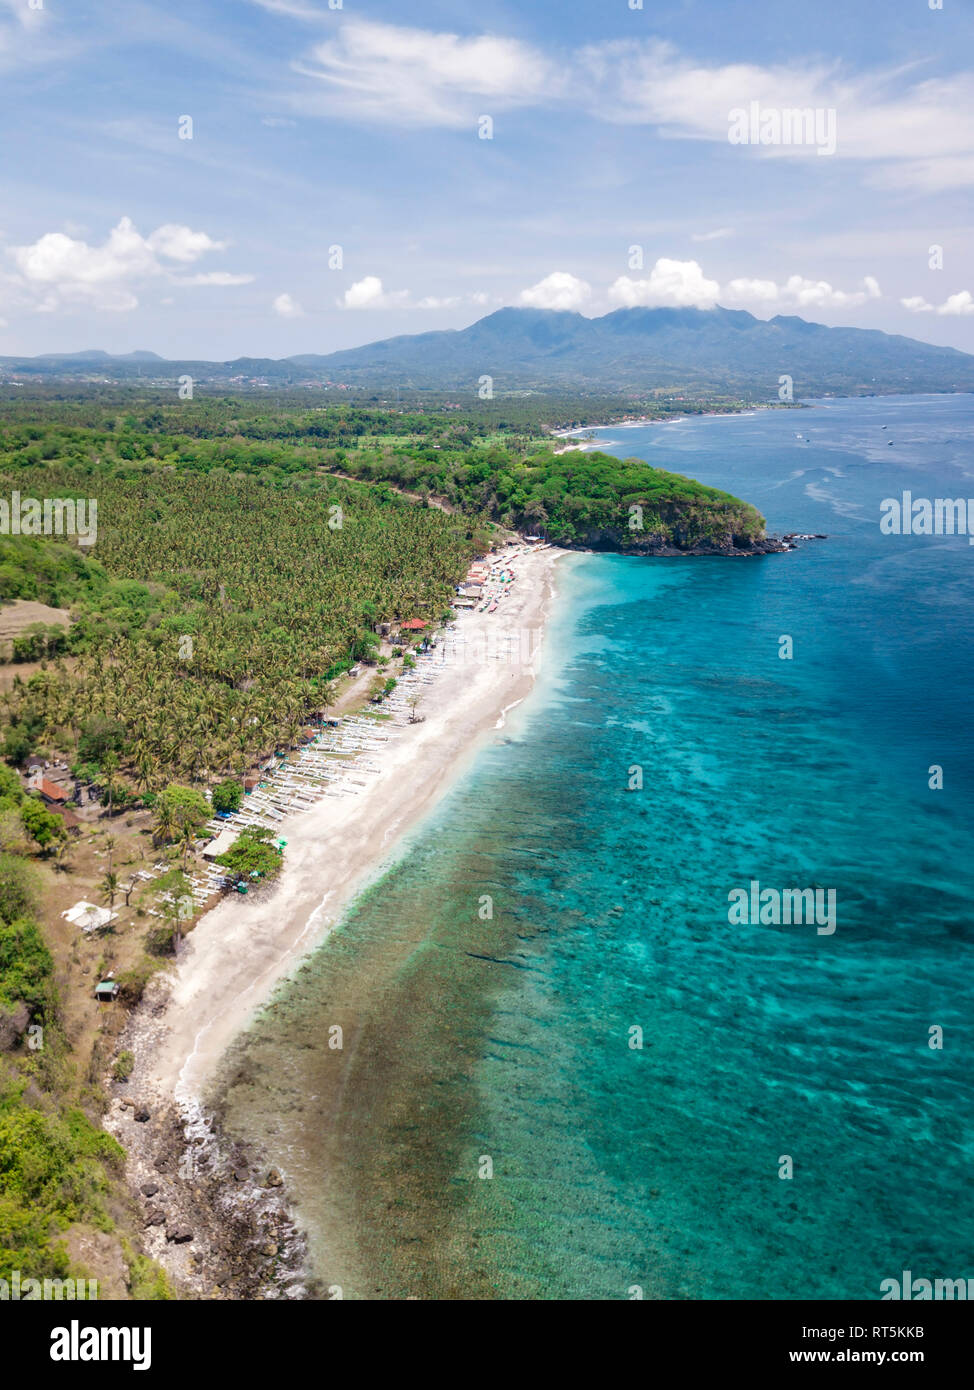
<point x="674" y="543"/>
<point x="13" y="1023"/>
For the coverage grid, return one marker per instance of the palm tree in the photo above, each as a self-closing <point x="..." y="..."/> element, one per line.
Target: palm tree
<point x="186" y="838"/>
<point x="109" y="887"/>
<point x="165" y="822"/>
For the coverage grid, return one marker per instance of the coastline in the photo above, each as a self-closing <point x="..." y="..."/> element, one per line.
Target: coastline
<point x="645" y="420"/>
<point x="241" y="950"/>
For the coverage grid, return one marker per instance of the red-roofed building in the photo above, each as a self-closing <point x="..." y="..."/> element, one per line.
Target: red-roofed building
<point x="52" y="794"/>
<point x="413" y="625"/>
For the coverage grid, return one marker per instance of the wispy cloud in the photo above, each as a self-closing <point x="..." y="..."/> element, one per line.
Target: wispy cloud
<point x="293" y="9"/>
<point x="415" y="77"/>
<point x="21" y="30"/>
<point x="918" y="133"/>
<point x="222" y="278"/>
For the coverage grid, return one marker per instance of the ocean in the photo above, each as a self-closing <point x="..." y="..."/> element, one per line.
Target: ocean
<point x="563" y="1072"/>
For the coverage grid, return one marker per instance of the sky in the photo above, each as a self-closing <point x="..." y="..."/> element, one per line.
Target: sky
<point x="270" y="177"/>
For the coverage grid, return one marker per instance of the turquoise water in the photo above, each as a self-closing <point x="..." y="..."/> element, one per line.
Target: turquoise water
<point x="508" y="1039"/>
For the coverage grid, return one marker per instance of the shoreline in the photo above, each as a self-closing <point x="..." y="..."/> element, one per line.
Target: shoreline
<point x="644" y="420"/>
<point x="242" y="950"/>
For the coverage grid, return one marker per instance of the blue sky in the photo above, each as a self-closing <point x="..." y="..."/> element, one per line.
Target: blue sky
<point x="359" y="128"/>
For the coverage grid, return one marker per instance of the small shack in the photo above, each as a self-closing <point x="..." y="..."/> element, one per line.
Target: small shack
<point x="88" y="916"/>
<point x="106" y="991"/>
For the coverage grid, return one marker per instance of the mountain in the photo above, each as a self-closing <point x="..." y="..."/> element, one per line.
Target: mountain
<point x="644" y="348"/>
<point x="629" y="350"/>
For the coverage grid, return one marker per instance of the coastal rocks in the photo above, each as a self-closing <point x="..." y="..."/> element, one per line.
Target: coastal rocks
<point x="142" y="1115"/>
<point x="214" y="1214"/>
<point x="675" y="544"/>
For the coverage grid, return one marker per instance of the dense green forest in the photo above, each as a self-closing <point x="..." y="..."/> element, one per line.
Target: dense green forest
<point x="245" y="552"/>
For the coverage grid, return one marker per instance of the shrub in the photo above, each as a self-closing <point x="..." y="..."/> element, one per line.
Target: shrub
<point x="227" y="795"/>
<point x="124" y="1063"/>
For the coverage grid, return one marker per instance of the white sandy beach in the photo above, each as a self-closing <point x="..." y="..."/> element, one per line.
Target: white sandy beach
<point x="242" y="948"/>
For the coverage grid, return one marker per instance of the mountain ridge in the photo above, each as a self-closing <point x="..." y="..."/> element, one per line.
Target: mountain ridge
<point x="628" y="349"/>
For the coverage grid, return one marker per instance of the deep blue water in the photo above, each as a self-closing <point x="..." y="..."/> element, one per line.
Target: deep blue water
<point x="659" y="1168"/>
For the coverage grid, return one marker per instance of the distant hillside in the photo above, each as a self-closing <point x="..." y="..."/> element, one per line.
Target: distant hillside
<point x="630" y="350"/>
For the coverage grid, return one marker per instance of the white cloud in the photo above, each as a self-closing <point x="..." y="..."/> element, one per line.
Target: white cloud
<point x="677" y="283"/>
<point x="291" y="8"/>
<point x="557" y="291"/>
<point x="287" y="307"/>
<point x="368" y="293"/>
<point x="921" y="135"/>
<point x="180" y="243"/>
<point x="799" y="293"/>
<point x="214" y="277"/>
<point x="58" y="269"/>
<point x="717" y="235"/>
<point x="683" y="284"/>
<point x="417" y="77"/>
<point x="750" y="291"/>
<point x="961" y="303"/>
<point x="956" y="305"/>
<point x="917" y="134"/>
